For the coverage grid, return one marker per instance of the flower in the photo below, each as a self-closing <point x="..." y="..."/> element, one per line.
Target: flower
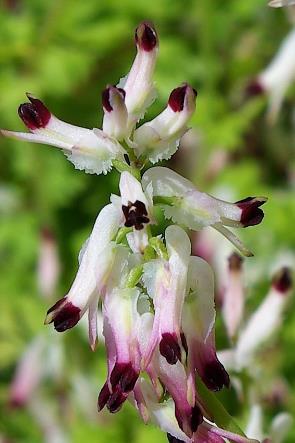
<point x="182" y="202"/>
<point x="262" y="324"/>
<point x="48" y="263"/>
<point x="89" y="150"/>
<point x="276" y="78"/>
<point x="233" y="297"/>
<point x="95" y="151"/>
<point x="97" y="259"/>
<point x="159" y="138"/>
<point x="279" y="428"/>
<point x="279" y="3"/>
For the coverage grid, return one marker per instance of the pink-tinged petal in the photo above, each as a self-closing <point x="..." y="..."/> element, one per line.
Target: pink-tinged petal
<point x="138" y="84"/>
<point x="115" y="112"/>
<point x="175" y="381"/>
<point x="48" y="264"/>
<point x="159" y="138"/>
<point x="120" y="325"/>
<point x="266" y="319"/>
<point x="166" y="284"/>
<point x="198" y="326"/>
<point x="234" y="295"/>
<point x="234" y="438"/>
<point x="28" y="374"/>
<point x="162" y="414"/>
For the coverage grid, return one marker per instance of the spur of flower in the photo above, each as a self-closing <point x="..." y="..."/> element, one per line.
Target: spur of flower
<point x="157" y="300"/>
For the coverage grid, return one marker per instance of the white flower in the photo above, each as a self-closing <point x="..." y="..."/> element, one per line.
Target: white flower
<point x="89" y="150"/>
<point x="159" y="138"/>
<point x="277" y="77"/>
<point x="182" y="202"/>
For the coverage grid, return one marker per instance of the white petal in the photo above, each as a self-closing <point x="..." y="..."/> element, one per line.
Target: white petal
<point x="280" y="427"/>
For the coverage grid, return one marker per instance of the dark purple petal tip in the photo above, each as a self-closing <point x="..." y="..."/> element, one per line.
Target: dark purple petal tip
<point x="125" y="376"/>
<point x="63" y="314"/>
<point x="196" y="418"/>
<point x="177" y="97"/>
<point x="251" y="213"/>
<point x="215" y="376"/>
<point x="235" y="262"/>
<point x="135" y="215"/>
<point x="103" y="397"/>
<point x="173" y="439"/>
<point x="35" y="114"/>
<point x="116" y="400"/>
<point x="146" y="37"/>
<point x="170" y="348"/>
<point x="254" y="89"/>
<point x="282" y="281"/>
<point x="106" y="96"/>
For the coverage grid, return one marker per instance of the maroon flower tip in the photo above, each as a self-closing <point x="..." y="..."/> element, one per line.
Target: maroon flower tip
<point x="135" y="215"/>
<point x="106" y="96"/>
<point x="16" y="402"/>
<point x="177" y="97"/>
<point x="125" y="376"/>
<point x="170" y="348"/>
<point x="282" y="281"/>
<point x="63" y="314"/>
<point x="196" y="418"/>
<point x="215" y="376"/>
<point x="35" y="114"/>
<point x="254" y="89"/>
<point x="235" y="262"/>
<point x="146" y="37"/>
<point x="173" y="439"/>
<point x="251" y="213"/>
<point x="116" y="400"/>
<point x="47" y="234"/>
<point x="103" y="397"/>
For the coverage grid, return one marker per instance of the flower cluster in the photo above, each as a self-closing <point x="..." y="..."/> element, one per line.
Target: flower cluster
<point x="157" y="299"/>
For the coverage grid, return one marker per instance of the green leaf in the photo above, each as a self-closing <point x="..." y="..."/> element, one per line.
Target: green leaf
<point x="218" y="413"/>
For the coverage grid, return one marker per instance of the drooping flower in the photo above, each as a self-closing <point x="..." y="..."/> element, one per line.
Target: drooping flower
<point x="165" y="280"/>
<point x="276" y="78"/>
<point x="262" y="324"/>
<point x="120" y="327"/>
<point x="96" y="261"/>
<point x="182" y="202"/>
<point x="265" y="320"/>
<point x="198" y="328"/>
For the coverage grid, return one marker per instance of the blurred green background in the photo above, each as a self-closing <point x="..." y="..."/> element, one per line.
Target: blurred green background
<point x="65" y="52"/>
